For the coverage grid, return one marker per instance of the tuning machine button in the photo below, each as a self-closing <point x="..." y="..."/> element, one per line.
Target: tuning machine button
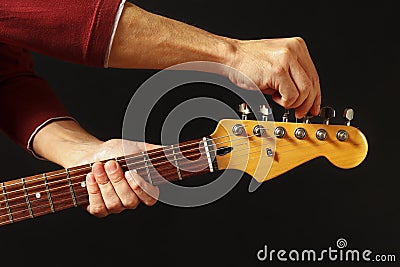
<point x="265" y="112"/>
<point x="300" y="133"/>
<point x="348" y="115"/>
<point x="326" y="114"/>
<point x="244" y="109"/>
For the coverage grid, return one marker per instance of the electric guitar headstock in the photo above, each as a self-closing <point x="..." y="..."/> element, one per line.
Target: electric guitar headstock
<point x="266" y="149"/>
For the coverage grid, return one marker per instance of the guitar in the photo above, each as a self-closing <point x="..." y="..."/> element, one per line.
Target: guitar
<point x="263" y="149"/>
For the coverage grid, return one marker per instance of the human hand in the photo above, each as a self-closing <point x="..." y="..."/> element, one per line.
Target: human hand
<point x="110" y="189"/>
<point x="280" y="67"/>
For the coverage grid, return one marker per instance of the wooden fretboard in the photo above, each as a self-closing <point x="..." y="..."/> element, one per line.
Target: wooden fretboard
<point x="49" y="192"/>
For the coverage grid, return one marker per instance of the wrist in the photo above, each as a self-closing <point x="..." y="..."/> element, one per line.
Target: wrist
<point x="63" y="142"/>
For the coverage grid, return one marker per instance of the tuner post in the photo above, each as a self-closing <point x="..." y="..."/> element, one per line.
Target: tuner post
<point x="285" y="117"/>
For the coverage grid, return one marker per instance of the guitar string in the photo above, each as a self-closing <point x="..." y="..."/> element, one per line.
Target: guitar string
<point x="55" y="202"/>
<point x="163" y="179"/>
<point x="153" y="165"/>
<point x="62" y="172"/>
<point x="140" y="155"/>
<point x="83" y="175"/>
<point x="162" y="157"/>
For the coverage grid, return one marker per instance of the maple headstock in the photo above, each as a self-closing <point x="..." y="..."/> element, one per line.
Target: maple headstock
<point x="266" y="149"/>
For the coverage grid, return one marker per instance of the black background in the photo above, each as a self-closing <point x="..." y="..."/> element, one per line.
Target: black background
<point x="353" y="46"/>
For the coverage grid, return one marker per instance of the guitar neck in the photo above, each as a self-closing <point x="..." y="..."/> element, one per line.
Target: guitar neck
<point x="49" y="192"/>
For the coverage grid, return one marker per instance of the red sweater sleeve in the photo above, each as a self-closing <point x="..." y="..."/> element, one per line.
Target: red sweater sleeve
<point x="77" y="31"/>
<point x="26" y="100"/>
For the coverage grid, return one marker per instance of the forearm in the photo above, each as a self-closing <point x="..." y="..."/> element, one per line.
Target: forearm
<point x="149" y="41"/>
<point x="64" y="142"/>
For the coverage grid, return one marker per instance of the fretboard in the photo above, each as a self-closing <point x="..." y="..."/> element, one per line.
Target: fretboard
<point x="46" y="193"/>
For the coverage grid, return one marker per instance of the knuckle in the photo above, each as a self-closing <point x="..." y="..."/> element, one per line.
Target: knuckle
<point x="286" y="55"/>
<point x="280" y="70"/>
<point x="116" y="177"/>
<point x="315" y="79"/>
<point x="114" y="205"/>
<point x="306" y="86"/>
<point x="98" y="211"/>
<point x="151" y="202"/>
<point x="289" y="99"/>
<point x="131" y="203"/>
<point x="298" y="40"/>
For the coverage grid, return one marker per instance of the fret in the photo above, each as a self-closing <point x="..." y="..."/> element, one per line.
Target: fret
<point x="28" y="203"/>
<point x="146" y="163"/>
<point x="60" y="190"/>
<point x="176" y="163"/>
<point x="46" y="183"/>
<point x="71" y="188"/>
<point x="210" y="164"/>
<point x="78" y="183"/>
<point x="10" y="216"/>
<point x="35" y="188"/>
<point x="16" y="200"/>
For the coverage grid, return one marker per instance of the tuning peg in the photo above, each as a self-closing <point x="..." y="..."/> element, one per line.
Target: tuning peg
<point x="307" y="117"/>
<point x="348" y="114"/>
<point x="244" y="109"/>
<point x="326" y="114"/>
<point x="265" y="112"/>
<point x="285" y="117"/>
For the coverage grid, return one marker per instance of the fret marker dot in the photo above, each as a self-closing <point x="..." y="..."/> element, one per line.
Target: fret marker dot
<point x="134" y="171"/>
<point x="37" y="195"/>
<point x="83" y="184"/>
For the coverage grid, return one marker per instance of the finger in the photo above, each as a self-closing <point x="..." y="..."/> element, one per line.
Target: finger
<point x="110" y="197"/>
<point x="125" y="193"/>
<point x="307" y="63"/>
<point x="96" y="205"/>
<point x="287" y="91"/>
<point x="304" y="85"/>
<point x="316" y="107"/>
<point x="306" y="106"/>
<point x="146" y="192"/>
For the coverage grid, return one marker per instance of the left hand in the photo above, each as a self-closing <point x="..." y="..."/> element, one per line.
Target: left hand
<point x="110" y="189"/>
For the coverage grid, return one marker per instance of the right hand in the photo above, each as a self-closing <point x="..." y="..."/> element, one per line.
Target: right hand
<point x="281" y="67"/>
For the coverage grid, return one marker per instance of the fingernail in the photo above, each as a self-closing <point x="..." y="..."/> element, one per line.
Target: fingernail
<point x="110" y="166"/>
<point x="97" y="169"/>
<point x="90" y="178"/>
<point x="128" y="175"/>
